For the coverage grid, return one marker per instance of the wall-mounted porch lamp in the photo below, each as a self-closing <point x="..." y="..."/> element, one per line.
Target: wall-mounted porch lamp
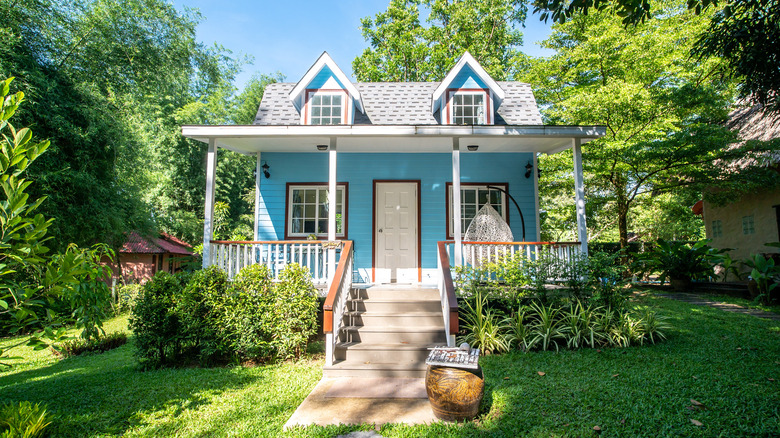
<point x="528" y="169"/>
<point x="265" y="168"/>
<point x="473" y="147"/>
<point x="322" y="147"/>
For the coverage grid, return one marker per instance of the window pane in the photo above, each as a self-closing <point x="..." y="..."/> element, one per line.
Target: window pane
<point x="336" y="100"/>
<point x="297" y="211"/>
<point x="483" y="197"/>
<point x="469" y="196"/>
<point x="326" y="100"/>
<point x="315" y="111"/>
<point x="495" y="197"/>
<point x="317" y="100"/>
<point x="339" y="196"/>
<point x="322" y="195"/>
<point x="309" y="212"/>
<point x="326" y="111"/>
<point x="310" y="196"/>
<point x="479" y="99"/>
<point x="468" y="99"/>
<point x="322" y="226"/>
<point x="324" y="211"/>
<point x="336" y="111"/>
<point x="468" y="111"/>
<point x="297" y="226"/>
<point x="296" y="196"/>
<point x="308" y="226"/>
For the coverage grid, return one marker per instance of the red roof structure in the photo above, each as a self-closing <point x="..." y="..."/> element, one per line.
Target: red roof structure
<point x="164" y="244"/>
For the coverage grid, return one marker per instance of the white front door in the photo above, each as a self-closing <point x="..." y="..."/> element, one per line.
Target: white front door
<point x="396" y="233"/>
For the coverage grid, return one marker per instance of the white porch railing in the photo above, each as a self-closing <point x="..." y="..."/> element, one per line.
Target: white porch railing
<point x="336" y="302"/>
<point x="232" y="256"/>
<point x="476" y="253"/>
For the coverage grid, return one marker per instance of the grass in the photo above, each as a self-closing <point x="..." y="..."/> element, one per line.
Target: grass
<point x="750" y="304"/>
<point x="729" y="362"/>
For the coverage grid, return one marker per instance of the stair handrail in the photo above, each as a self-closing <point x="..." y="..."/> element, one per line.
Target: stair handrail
<point x="336" y="301"/>
<point x="449" y="302"/>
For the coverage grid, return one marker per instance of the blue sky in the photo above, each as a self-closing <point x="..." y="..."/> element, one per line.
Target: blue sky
<point x="288" y="36"/>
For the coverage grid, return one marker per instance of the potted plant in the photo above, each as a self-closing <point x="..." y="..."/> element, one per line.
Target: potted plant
<point x="681" y="262"/>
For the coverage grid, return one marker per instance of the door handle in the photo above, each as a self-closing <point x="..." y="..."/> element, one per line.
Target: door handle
<point x="379" y="230"/>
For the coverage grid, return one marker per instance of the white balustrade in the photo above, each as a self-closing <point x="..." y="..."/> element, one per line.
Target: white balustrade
<point x="231" y="257"/>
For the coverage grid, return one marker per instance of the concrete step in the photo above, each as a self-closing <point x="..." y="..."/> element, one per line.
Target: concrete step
<point x="398" y="335"/>
<point x="358" y="352"/>
<point x="393" y="306"/>
<point x="392" y="319"/>
<point x="397" y="293"/>
<point x="350" y="369"/>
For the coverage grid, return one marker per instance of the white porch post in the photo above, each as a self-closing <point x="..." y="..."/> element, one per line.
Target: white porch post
<point x="536" y="197"/>
<point x="456" y="210"/>
<point x="258" y="173"/>
<point x="579" y="195"/>
<point x="208" y="216"/>
<point x="332" y="207"/>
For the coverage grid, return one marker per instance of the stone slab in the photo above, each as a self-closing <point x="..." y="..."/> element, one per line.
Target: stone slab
<point x="380" y="407"/>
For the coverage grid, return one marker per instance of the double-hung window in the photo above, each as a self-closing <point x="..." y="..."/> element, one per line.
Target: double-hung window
<point x="326" y="108"/>
<point x="307" y="210"/>
<point x="468" y="107"/>
<point x="748" y="225"/>
<point x="474" y="196"/>
<point x="717" y="228"/>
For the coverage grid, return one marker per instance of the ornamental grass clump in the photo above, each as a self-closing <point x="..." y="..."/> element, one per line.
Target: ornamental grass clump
<point x="485" y="329"/>
<point x="23" y="419"/>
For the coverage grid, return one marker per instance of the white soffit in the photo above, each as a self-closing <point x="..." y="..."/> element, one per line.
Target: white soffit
<point x="464" y="60"/>
<point x="296" y="95"/>
<point x="394" y="139"/>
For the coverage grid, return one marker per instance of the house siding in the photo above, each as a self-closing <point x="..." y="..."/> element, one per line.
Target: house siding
<point x="360" y="170"/>
<point x="758" y="205"/>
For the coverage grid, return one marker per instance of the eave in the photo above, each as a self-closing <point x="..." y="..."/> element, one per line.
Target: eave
<point x="250" y="139"/>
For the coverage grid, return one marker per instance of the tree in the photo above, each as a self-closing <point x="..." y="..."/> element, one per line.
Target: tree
<point x="402" y="49"/>
<point x="743" y="32"/>
<point x="32" y="283"/>
<point x="660" y="108"/>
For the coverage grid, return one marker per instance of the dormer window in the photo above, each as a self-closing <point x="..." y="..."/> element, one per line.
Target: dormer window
<point x="326" y="107"/>
<point x="468" y="107"/>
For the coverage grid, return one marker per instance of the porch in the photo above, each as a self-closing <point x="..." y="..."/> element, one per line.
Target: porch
<point x="364" y="335"/>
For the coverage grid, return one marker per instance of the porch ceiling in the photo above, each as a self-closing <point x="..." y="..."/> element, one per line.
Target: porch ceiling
<point x="411" y="138"/>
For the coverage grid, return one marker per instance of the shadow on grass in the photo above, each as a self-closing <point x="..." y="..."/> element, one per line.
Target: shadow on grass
<point x="104" y="393"/>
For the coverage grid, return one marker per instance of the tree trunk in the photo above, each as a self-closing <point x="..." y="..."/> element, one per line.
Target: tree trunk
<point x="622" y="211"/>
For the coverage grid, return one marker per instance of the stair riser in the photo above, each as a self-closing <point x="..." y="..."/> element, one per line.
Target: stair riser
<point x="395" y="337"/>
<point x="395" y="306"/>
<point x="373" y="373"/>
<point x="400" y="295"/>
<point x="390" y="321"/>
<point x="399" y="357"/>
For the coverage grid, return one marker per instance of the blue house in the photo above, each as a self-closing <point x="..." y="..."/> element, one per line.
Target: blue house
<point x="387" y="176"/>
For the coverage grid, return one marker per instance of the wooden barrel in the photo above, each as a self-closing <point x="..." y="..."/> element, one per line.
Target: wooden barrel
<point x="454" y="393"/>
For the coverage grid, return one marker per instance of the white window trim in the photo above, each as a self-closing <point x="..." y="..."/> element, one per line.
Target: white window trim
<point x="346" y="112"/>
<point x="469" y="91"/>
<point x="474" y="186"/>
<point x="304" y="186"/>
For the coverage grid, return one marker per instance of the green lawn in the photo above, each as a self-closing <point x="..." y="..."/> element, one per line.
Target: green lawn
<point x="728" y="362"/>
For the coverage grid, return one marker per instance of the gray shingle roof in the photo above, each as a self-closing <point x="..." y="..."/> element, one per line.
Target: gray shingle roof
<point x="399" y="103"/>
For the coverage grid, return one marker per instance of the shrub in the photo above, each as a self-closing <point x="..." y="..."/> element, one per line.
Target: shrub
<point x="23" y="419"/>
<point x="154" y="322"/>
<point x="126" y="296"/>
<point x="201" y="311"/>
<point x="680" y="261"/>
<point x="270" y="321"/>
<point x="107" y="342"/>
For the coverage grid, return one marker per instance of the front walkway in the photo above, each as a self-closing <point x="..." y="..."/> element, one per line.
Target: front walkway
<point x="704" y="300"/>
<point x="377" y="400"/>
